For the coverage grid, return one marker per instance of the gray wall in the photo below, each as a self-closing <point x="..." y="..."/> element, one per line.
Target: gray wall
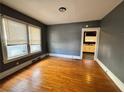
<point x="111" y="48"/>
<point x="5" y="10"/>
<point x="66" y="38"/>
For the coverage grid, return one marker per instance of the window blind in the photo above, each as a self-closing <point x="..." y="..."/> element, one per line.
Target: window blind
<point x="15" y="32"/>
<point x="34" y="35"/>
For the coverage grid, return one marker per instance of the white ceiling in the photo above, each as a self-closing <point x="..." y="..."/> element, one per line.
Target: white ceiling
<point x="47" y="12"/>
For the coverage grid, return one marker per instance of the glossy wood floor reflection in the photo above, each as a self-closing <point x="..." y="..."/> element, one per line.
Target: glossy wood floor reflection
<point x="59" y="75"/>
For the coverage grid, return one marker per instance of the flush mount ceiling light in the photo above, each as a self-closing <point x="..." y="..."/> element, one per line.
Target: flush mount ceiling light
<point x="62" y="9"/>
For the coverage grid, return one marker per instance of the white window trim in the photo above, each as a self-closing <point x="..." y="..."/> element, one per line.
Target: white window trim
<point x="4" y="48"/>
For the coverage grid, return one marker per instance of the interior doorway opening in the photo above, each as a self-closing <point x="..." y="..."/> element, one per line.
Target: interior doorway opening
<point x="89" y="43"/>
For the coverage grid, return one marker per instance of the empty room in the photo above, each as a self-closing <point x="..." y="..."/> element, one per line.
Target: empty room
<point x="61" y="46"/>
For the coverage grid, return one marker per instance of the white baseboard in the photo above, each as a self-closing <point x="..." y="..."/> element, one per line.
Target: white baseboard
<point x="115" y="79"/>
<point x="64" y="56"/>
<point x="15" y="69"/>
<point x="44" y="55"/>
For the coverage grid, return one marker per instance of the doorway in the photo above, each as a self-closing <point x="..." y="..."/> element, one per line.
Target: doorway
<point x="89" y="43"/>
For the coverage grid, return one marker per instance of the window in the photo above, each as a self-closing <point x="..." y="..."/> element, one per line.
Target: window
<point x="90" y="37"/>
<point x="15" y="35"/>
<point x="34" y="39"/>
<point x="19" y="39"/>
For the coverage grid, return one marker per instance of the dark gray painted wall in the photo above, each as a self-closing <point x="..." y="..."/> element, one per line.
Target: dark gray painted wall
<point x="111" y="48"/>
<point x="66" y="38"/>
<point x="5" y="10"/>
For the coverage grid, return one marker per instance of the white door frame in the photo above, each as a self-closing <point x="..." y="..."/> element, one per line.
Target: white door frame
<point x="97" y="40"/>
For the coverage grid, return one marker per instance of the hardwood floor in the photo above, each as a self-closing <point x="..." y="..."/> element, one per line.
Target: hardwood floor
<point x="88" y="56"/>
<point x="59" y="75"/>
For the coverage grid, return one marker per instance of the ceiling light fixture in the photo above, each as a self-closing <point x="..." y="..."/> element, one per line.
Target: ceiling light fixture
<point x="62" y="9"/>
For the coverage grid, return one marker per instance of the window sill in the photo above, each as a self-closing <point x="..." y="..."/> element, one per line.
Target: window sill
<point x="21" y="57"/>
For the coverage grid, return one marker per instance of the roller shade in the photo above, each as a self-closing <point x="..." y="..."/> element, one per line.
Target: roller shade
<point x="34" y="35"/>
<point x="15" y="32"/>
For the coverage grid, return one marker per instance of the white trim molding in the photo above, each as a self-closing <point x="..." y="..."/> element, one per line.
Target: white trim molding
<point x="14" y="69"/>
<point x="115" y="79"/>
<point x="19" y="67"/>
<point x="64" y="56"/>
<point x="97" y="29"/>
